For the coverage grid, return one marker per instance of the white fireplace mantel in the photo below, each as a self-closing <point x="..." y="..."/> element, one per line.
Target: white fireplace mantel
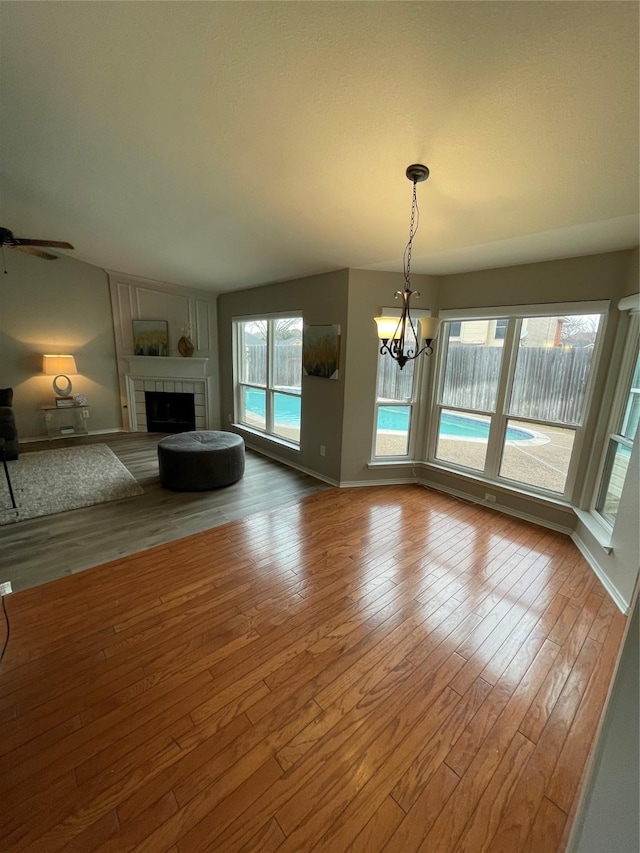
<point x="167" y="367"/>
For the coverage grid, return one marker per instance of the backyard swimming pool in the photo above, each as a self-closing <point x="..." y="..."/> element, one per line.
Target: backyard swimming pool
<point x="452" y="425"/>
<point x="390" y="418"/>
<point x="287" y="408"/>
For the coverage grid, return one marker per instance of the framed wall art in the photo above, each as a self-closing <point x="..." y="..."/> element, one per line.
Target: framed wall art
<point x="150" y="337"/>
<point x="321" y="351"/>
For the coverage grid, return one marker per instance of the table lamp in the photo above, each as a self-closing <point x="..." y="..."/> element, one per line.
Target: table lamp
<point x="60" y="366"/>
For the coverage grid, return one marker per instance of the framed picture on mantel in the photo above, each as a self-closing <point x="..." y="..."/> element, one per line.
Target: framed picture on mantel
<point x="150" y="337"/>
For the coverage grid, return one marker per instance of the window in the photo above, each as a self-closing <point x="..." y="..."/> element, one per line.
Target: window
<point x="468" y="395"/>
<point x="501" y="329"/>
<point x="268" y="376"/>
<point x="395" y="403"/>
<point x="623" y="430"/>
<point x="512" y="396"/>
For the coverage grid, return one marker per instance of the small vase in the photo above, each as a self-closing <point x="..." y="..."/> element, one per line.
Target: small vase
<point x="186" y="347"/>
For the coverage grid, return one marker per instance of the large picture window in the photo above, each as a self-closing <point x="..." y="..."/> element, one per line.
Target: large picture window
<point x="512" y="396"/>
<point x="268" y="376"/>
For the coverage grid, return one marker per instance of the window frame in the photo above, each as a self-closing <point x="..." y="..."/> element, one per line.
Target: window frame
<point x="500" y="417"/>
<point x="415" y="409"/>
<point x="414" y="412"/>
<point x="269" y="388"/>
<point x="613" y="434"/>
<point x="501" y="326"/>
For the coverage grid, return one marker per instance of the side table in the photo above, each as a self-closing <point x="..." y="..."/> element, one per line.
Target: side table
<point x="70" y="420"/>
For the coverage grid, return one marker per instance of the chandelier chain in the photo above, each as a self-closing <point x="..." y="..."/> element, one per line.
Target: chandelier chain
<point x="413" y="228"/>
<point x="401" y="340"/>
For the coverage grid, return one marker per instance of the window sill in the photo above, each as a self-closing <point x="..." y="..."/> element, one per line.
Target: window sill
<point x="392" y="462"/>
<point x="273" y="439"/>
<point x="600" y="532"/>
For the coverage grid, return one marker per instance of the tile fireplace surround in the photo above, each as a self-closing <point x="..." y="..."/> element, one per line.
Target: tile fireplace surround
<point x="179" y="375"/>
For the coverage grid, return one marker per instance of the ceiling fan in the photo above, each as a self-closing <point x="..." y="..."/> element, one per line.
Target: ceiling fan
<point x="22" y="244"/>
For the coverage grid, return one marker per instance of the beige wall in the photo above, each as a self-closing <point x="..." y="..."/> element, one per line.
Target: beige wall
<point x="633" y="273"/>
<point x="573" y="279"/>
<point x="57" y="306"/>
<point x="321" y="300"/>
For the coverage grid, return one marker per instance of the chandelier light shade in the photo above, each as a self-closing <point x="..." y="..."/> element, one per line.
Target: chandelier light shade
<point x="388" y="328"/>
<point x="399" y="337"/>
<point x="60" y="366"/>
<point x="428" y="328"/>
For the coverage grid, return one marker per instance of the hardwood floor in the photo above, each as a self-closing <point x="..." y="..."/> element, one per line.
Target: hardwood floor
<point x="41" y="549"/>
<point x="364" y="669"/>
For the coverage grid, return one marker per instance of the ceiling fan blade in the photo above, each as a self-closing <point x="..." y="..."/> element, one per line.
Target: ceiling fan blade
<point x="28" y="250"/>
<point x="54" y="244"/>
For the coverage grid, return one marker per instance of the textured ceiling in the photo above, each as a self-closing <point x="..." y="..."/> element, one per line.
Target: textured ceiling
<point x="226" y="144"/>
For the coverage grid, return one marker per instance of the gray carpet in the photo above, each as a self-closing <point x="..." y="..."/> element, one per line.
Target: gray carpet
<point x="50" y="481"/>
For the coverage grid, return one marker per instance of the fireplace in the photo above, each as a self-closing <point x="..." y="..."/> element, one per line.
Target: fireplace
<point x="170" y="411"/>
<point x="148" y="374"/>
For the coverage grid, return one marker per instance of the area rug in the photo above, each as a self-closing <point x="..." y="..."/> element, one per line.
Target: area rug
<point x="50" y="481"/>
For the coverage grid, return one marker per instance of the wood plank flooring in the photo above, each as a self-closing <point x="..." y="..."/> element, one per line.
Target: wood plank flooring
<point x="361" y="670"/>
<point x="42" y="549"/>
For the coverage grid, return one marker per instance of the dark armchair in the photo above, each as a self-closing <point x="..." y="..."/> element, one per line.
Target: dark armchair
<point x="8" y="424"/>
<point x="8" y="436"/>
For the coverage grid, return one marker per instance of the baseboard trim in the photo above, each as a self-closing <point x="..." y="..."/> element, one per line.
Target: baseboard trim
<point x="589" y="556"/>
<point x="37" y="438"/>
<point x="525" y="516"/>
<point x="291" y="464"/>
<point x="399" y="481"/>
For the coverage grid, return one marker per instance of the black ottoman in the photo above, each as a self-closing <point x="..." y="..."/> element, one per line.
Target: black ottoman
<point x="198" y="461"/>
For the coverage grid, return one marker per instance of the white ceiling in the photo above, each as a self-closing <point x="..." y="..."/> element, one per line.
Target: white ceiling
<point x="227" y="144"/>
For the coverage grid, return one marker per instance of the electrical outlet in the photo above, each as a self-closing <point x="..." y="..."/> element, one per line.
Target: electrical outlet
<point x="490" y="498"/>
<point x="323" y="450"/>
<point x="5" y="588"/>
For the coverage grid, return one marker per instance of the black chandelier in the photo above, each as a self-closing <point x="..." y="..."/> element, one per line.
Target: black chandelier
<point x="399" y="337"/>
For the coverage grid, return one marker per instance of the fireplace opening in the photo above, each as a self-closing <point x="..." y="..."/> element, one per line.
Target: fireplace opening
<point x="170" y="412"/>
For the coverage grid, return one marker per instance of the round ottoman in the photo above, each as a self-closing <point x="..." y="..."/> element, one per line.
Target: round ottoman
<point x="197" y="461"/>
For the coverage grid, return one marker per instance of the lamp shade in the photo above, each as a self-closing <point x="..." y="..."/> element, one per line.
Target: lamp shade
<point x="54" y="365"/>
<point x="388" y="327"/>
<point x="428" y="327"/>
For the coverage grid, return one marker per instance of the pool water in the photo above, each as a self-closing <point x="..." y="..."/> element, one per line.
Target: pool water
<point x="287" y="408"/>
<point x="451" y="425"/>
<point x="394" y="418"/>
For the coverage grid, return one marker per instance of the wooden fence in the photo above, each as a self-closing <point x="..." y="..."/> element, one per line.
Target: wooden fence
<point x="549" y="383"/>
<point x="287" y="370"/>
<point x="393" y="383"/>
